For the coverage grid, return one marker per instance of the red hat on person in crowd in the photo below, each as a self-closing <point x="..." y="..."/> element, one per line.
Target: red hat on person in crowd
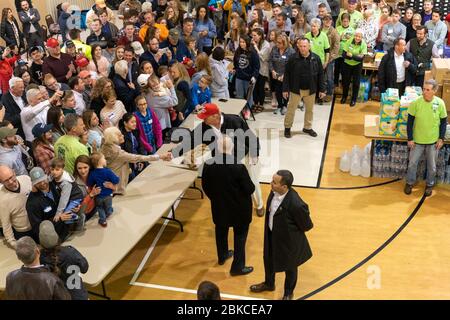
<point x="52" y="43"/>
<point x="209" y="109"/>
<point x="447" y="17"/>
<point x="82" y="62"/>
<point x="84" y="74"/>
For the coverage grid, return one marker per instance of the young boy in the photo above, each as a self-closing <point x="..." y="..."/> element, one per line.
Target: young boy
<point x="191" y="43"/>
<point x="98" y="177"/>
<point x="71" y="195"/>
<point x="200" y="92"/>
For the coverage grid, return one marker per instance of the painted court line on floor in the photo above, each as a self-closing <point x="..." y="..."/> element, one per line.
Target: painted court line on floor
<point x="167" y="288"/>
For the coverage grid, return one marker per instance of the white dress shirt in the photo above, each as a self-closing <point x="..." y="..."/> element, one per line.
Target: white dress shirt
<point x="274" y="205"/>
<point x="30" y="116"/>
<point x="399" y="59"/>
<point x="217" y="132"/>
<point x="80" y="105"/>
<point x="19" y="101"/>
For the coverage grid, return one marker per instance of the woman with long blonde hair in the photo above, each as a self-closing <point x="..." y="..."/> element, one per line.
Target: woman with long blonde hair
<point x="202" y="66"/>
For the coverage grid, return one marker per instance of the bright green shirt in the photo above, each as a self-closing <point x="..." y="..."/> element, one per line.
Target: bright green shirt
<point x="355" y="17"/>
<point x="354" y="49"/>
<point x="428" y="117"/>
<point x="70" y="148"/>
<point x="319" y="44"/>
<point x="344" y="34"/>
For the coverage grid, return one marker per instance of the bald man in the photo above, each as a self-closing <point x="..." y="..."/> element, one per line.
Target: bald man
<point x="13" y="198"/>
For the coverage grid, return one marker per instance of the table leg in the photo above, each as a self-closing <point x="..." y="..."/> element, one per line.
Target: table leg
<point x="104" y="295"/>
<point x="173" y="218"/>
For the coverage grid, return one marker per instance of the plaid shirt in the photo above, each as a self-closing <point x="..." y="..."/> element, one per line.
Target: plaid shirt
<point x="44" y="155"/>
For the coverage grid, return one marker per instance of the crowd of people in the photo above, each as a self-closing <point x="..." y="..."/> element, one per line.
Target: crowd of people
<point x="82" y="115"/>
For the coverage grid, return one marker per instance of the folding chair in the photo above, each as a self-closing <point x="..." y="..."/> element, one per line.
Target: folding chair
<point x="251" y="87"/>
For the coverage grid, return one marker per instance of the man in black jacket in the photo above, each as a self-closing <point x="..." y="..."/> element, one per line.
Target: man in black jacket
<point x="397" y="68"/>
<point x="229" y="188"/>
<point x="246" y="144"/>
<point x="32" y="30"/>
<point x="285" y="243"/>
<point x="14" y="101"/>
<point x="304" y="76"/>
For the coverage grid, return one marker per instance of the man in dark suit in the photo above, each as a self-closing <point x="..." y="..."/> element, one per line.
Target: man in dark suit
<point x="229" y="188"/>
<point x="285" y="243"/>
<point x="30" y="22"/>
<point x="246" y="144"/>
<point x="14" y="101"/>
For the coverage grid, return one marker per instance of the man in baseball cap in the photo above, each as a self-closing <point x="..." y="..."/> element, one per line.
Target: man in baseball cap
<point x="178" y="48"/>
<point x="52" y="43"/>
<point x="215" y="123"/>
<point x="40" y="129"/>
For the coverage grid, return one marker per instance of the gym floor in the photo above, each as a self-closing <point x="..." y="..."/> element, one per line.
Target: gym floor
<point x="369" y="241"/>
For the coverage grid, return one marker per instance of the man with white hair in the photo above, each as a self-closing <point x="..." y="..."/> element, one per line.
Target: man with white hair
<point x="33" y="281"/>
<point x="36" y="111"/>
<point x="14" y="101"/>
<point x="229" y="187"/>
<point x="125" y="89"/>
<point x="13" y="197"/>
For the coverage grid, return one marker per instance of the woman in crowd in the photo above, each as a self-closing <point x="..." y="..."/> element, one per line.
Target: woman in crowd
<point x="300" y="27"/>
<point x="262" y="48"/>
<point x="132" y="142"/>
<point x="113" y="110"/>
<point x="258" y="16"/>
<point x="277" y="64"/>
<point x="170" y="17"/>
<point x="411" y="29"/>
<point x="102" y="85"/>
<point x="148" y="125"/>
<point x="10" y="31"/>
<point x="407" y="17"/>
<point x="25" y="76"/>
<point x="55" y="117"/>
<point x="125" y="89"/>
<point x="181" y="82"/>
<point x="179" y="11"/>
<point x="246" y="65"/>
<point x="345" y="33"/>
<point x="99" y="63"/>
<point x="353" y="52"/>
<point x="238" y="6"/>
<point x="385" y="17"/>
<point x="238" y="29"/>
<point x="219" y="72"/>
<point x="205" y="29"/>
<point x="118" y="160"/>
<point x="93" y="127"/>
<point x="369" y="26"/>
<point x="161" y="96"/>
<point x="118" y="55"/>
<point x="42" y="146"/>
<point x="81" y="173"/>
<point x="202" y="66"/>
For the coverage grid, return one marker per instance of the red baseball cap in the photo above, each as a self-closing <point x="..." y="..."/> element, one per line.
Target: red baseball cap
<point x="209" y="109"/>
<point x="82" y="62"/>
<point x="84" y="74"/>
<point x="52" y="43"/>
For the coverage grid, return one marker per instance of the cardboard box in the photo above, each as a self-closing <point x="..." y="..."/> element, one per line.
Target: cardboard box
<point x="390" y="111"/>
<point x="388" y="127"/>
<point x="403" y="115"/>
<point x="428" y="75"/>
<point x="401" y="130"/>
<point x="440" y="69"/>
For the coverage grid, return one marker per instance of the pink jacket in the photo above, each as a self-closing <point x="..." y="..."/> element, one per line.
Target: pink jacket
<point x="156" y="131"/>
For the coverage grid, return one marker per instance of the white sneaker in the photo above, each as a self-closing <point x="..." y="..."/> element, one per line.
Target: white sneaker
<point x="283" y="111"/>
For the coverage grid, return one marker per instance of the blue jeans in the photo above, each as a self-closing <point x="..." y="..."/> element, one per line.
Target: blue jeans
<point x="241" y="90"/>
<point x="414" y="157"/>
<point x="329" y="74"/>
<point x="104" y="208"/>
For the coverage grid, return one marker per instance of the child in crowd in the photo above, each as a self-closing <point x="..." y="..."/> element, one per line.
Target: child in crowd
<point x="70" y="194"/>
<point x="201" y="93"/>
<point x="68" y="102"/>
<point x="163" y="72"/>
<point x="191" y="43"/>
<point x="98" y="176"/>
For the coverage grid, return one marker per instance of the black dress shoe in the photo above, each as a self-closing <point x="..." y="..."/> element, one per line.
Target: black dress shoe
<point x="229" y="255"/>
<point x="343" y="100"/>
<point x="288" y="297"/>
<point x="243" y="271"/>
<point x="353" y="103"/>
<point x="311" y="132"/>
<point x="260" y="287"/>
<point x="287" y="132"/>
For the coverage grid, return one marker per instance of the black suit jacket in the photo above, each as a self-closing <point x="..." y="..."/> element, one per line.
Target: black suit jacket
<point x="245" y="141"/>
<point x="7" y="33"/>
<point x="12" y="112"/>
<point x="290" y="247"/>
<point x="387" y="72"/>
<point x="230" y="189"/>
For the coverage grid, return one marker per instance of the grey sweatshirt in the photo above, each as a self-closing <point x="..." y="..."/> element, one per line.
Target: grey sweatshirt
<point x="390" y="33"/>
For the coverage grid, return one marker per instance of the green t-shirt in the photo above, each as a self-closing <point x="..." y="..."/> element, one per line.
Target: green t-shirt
<point x="428" y="119"/>
<point x="319" y="44"/>
<point x="355" y="17"/>
<point x="70" y="148"/>
<point x="354" y="49"/>
<point x="344" y="34"/>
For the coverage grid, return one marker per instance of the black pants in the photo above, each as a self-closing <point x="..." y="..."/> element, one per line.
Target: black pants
<point x="240" y="238"/>
<point x="258" y="93"/>
<point x="401" y="87"/>
<point x="277" y="86"/>
<point x="291" y="275"/>
<point x="34" y="39"/>
<point x="351" y="73"/>
<point x="420" y="79"/>
<point x="338" y="64"/>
